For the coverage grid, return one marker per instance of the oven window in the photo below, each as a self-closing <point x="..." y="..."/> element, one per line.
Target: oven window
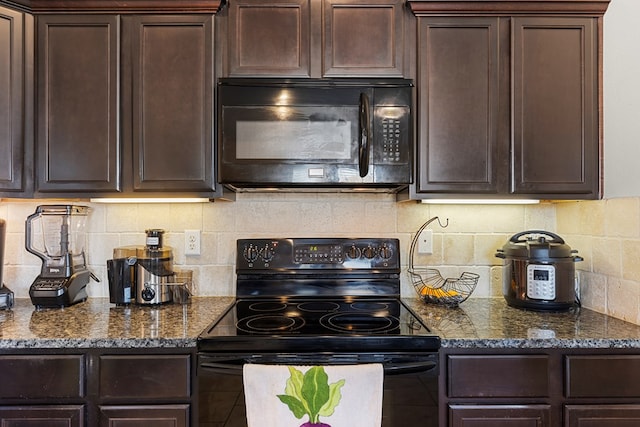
<point x="291" y="132"/>
<point x="409" y="399"/>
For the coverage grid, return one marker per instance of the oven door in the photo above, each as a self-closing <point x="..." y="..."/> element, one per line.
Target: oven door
<point x="410" y="385"/>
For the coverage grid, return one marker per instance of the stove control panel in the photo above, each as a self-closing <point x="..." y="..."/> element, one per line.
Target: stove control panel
<point x="320" y="253"/>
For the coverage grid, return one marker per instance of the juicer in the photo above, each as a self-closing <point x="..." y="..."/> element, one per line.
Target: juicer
<point x="56" y="234"/>
<point x="142" y="274"/>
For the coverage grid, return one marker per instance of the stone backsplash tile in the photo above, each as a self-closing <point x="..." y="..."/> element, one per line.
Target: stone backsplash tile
<point x="631" y="259"/>
<point x="622" y="218"/>
<point x="606" y="234"/>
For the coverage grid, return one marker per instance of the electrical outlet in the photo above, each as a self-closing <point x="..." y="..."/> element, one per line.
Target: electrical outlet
<point x="425" y="242"/>
<point x="192" y="242"/>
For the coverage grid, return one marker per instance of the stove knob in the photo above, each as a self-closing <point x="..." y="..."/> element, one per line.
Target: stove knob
<point x="148" y="294"/>
<point x="353" y="252"/>
<point x="369" y="252"/>
<point x="385" y="251"/>
<point x="251" y="253"/>
<point x="268" y="253"/>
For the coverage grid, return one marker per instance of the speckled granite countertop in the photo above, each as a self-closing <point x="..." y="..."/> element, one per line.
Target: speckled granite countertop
<point x="478" y="323"/>
<point x="98" y="323"/>
<point x="491" y="323"/>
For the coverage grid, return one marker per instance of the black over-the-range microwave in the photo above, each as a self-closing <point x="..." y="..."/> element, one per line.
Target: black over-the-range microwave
<point x="319" y="134"/>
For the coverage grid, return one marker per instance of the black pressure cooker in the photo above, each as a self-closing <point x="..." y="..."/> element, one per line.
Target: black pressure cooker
<point x="539" y="271"/>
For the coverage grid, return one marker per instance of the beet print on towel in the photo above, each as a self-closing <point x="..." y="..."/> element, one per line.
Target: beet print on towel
<point x="311" y="394"/>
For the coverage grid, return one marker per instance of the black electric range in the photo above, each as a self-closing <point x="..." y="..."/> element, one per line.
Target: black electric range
<point x="319" y="302"/>
<point x="318" y="295"/>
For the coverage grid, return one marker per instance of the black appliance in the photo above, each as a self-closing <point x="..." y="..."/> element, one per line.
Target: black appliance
<point x="315" y="134"/>
<point x="319" y="301"/>
<point x="539" y="271"/>
<point x="6" y="295"/>
<point x="56" y="234"/>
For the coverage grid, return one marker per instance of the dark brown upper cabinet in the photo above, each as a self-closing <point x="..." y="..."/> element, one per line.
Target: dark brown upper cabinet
<point x="508" y="99"/>
<point x="125" y="104"/>
<point x="555" y="107"/>
<point x="168" y="123"/>
<point x="111" y="6"/>
<point x="16" y="103"/>
<point x="78" y="141"/>
<point x="267" y="38"/>
<point x="463" y="87"/>
<point x="315" y="38"/>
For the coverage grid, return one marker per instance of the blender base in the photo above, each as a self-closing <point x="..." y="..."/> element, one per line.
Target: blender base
<point x="59" y="291"/>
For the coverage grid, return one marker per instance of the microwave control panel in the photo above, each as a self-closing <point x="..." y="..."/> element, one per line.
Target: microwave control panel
<point x="391" y="135"/>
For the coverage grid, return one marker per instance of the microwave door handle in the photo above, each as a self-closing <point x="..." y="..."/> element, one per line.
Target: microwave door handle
<point x="364" y="137"/>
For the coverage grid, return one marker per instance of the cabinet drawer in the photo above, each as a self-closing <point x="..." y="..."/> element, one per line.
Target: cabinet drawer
<point x="149" y="415"/>
<point x="500" y="415"/>
<point x="602" y="415"/>
<point x="42" y="416"/>
<point x="42" y="376"/>
<point x="498" y="376"/>
<point x="161" y="376"/>
<point x="602" y="376"/>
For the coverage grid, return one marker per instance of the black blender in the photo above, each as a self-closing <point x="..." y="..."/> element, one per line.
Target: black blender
<point x="56" y="234"/>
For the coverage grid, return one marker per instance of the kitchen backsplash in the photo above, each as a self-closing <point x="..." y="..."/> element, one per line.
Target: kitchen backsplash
<point x="606" y="234"/>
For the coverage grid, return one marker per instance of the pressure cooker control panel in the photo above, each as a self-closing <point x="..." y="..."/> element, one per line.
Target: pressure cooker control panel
<point x="320" y="253"/>
<point x="541" y="282"/>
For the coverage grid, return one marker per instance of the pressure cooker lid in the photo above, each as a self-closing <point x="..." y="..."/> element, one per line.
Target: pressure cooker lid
<point x="536" y="245"/>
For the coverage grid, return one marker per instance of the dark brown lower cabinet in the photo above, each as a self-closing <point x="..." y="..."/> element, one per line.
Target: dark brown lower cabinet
<point x="539" y="388"/>
<point x="602" y="415"/>
<point x="42" y="416"/>
<point x="500" y="415"/>
<point x="42" y="376"/>
<point x="149" y="415"/>
<point x="97" y="387"/>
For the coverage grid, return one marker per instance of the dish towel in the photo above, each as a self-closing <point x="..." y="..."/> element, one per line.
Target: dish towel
<point x="313" y="396"/>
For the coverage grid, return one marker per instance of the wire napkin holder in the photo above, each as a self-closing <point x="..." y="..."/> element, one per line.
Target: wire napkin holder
<point x="429" y="283"/>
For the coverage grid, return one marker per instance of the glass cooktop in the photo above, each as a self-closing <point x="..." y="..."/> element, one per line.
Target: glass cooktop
<point x="307" y="324"/>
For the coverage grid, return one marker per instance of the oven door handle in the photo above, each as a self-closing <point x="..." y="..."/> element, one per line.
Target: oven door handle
<point x="390" y="368"/>
<point x="409" y="367"/>
<point x="223" y="367"/>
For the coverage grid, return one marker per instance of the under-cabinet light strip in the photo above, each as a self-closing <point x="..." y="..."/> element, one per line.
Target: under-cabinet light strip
<point x="480" y="201"/>
<point x="151" y="200"/>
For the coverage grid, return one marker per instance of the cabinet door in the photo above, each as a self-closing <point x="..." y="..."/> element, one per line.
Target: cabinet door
<point x="168" y="73"/>
<point x="151" y="415"/>
<point x="16" y="89"/>
<point x="39" y="416"/>
<point x="268" y="38"/>
<point x="363" y="38"/>
<point x="555" y="115"/>
<point x="499" y="415"/>
<point x="463" y="139"/>
<point x="78" y="131"/>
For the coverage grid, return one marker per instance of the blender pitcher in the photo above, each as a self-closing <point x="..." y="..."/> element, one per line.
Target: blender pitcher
<point x="56" y="234"/>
